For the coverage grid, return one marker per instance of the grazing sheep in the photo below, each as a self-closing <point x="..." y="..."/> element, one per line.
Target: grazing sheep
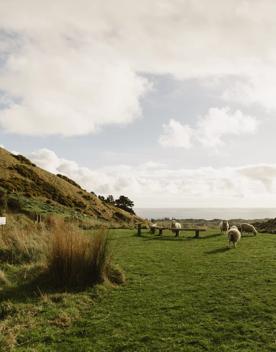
<point x="175" y="226"/>
<point x="234" y="236"/>
<point x="248" y="228"/>
<point x="224" y="226"/>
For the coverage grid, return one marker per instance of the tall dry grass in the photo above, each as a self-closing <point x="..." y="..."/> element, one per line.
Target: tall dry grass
<point x="22" y="243"/>
<point x="76" y="259"/>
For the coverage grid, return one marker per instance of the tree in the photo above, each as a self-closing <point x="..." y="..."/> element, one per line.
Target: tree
<point x="102" y="198"/>
<point x="110" y="199"/>
<point x="3" y="202"/>
<point x="125" y="203"/>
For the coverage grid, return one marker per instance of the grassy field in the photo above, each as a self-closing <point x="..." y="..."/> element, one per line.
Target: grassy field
<point x="181" y="295"/>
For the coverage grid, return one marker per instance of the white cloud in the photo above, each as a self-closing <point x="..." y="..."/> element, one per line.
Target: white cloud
<point x="219" y="123"/>
<point x="70" y="95"/>
<point x="262" y="173"/>
<point x="176" y="135"/>
<point x="210" y="129"/>
<point x="74" y="67"/>
<point x="151" y="185"/>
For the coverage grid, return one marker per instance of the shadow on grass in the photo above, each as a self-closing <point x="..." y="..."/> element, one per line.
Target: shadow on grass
<point x="35" y="287"/>
<point x="211" y="236"/>
<point x="151" y="237"/>
<point x="218" y="250"/>
<point x="166" y="238"/>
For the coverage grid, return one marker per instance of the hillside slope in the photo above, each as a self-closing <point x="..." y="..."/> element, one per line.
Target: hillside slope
<point x="33" y="191"/>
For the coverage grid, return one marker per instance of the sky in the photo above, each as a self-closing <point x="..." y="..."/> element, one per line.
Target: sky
<point x="170" y="102"/>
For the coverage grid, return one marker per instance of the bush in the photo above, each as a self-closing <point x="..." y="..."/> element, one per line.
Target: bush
<point x="15" y="203"/>
<point x="77" y="260"/>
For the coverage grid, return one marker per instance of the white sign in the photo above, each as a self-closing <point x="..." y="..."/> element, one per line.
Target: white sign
<point x="3" y="220"/>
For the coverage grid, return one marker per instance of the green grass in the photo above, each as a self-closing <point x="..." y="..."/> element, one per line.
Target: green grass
<point x="181" y="295"/>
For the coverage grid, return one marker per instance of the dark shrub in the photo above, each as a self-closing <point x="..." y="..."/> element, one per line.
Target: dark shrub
<point x="67" y="179"/>
<point x="23" y="160"/>
<point x="15" y="203"/>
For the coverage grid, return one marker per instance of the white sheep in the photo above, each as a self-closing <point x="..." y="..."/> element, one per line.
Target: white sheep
<point x="234" y="236"/>
<point x="248" y="228"/>
<point x="175" y="226"/>
<point x="224" y="226"/>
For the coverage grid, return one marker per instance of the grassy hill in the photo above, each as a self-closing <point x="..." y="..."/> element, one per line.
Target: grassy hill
<point x="34" y="191"/>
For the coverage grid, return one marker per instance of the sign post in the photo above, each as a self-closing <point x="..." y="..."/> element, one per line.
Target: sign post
<point x="3" y="221"/>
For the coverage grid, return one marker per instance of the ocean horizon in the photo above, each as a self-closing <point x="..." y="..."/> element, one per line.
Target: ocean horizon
<point x="207" y="213"/>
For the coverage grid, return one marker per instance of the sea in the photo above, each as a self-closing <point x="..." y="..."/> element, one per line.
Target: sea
<point x="207" y="213"/>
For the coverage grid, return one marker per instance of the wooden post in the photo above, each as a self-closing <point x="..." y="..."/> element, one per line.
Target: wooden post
<point x="139" y="230"/>
<point x="196" y="233"/>
<point x="152" y="230"/>
<point x="160" y="231"/>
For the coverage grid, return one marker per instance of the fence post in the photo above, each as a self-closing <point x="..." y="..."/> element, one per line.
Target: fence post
<point x="139" y="230"/>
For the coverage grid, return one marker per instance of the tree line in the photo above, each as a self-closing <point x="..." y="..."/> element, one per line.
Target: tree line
<point x="122" y="202"/>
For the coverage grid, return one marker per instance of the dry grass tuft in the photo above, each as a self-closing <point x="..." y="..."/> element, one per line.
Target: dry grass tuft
<point x="64" y="320"/>
<point x="19" y="245"/>
<point x="116" y="274"/>
<point x="76" y="259"/>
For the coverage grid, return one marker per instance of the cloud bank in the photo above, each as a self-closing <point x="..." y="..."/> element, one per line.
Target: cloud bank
<point x="210" y="130"/>
<point x="154" y="185"/>
<point x="71" y="68"/>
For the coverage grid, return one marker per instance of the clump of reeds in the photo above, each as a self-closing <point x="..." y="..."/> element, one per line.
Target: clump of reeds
<point x="76" y="259"/>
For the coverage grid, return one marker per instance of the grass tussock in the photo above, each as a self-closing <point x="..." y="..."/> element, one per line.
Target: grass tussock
<point x="76" y="259"/>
